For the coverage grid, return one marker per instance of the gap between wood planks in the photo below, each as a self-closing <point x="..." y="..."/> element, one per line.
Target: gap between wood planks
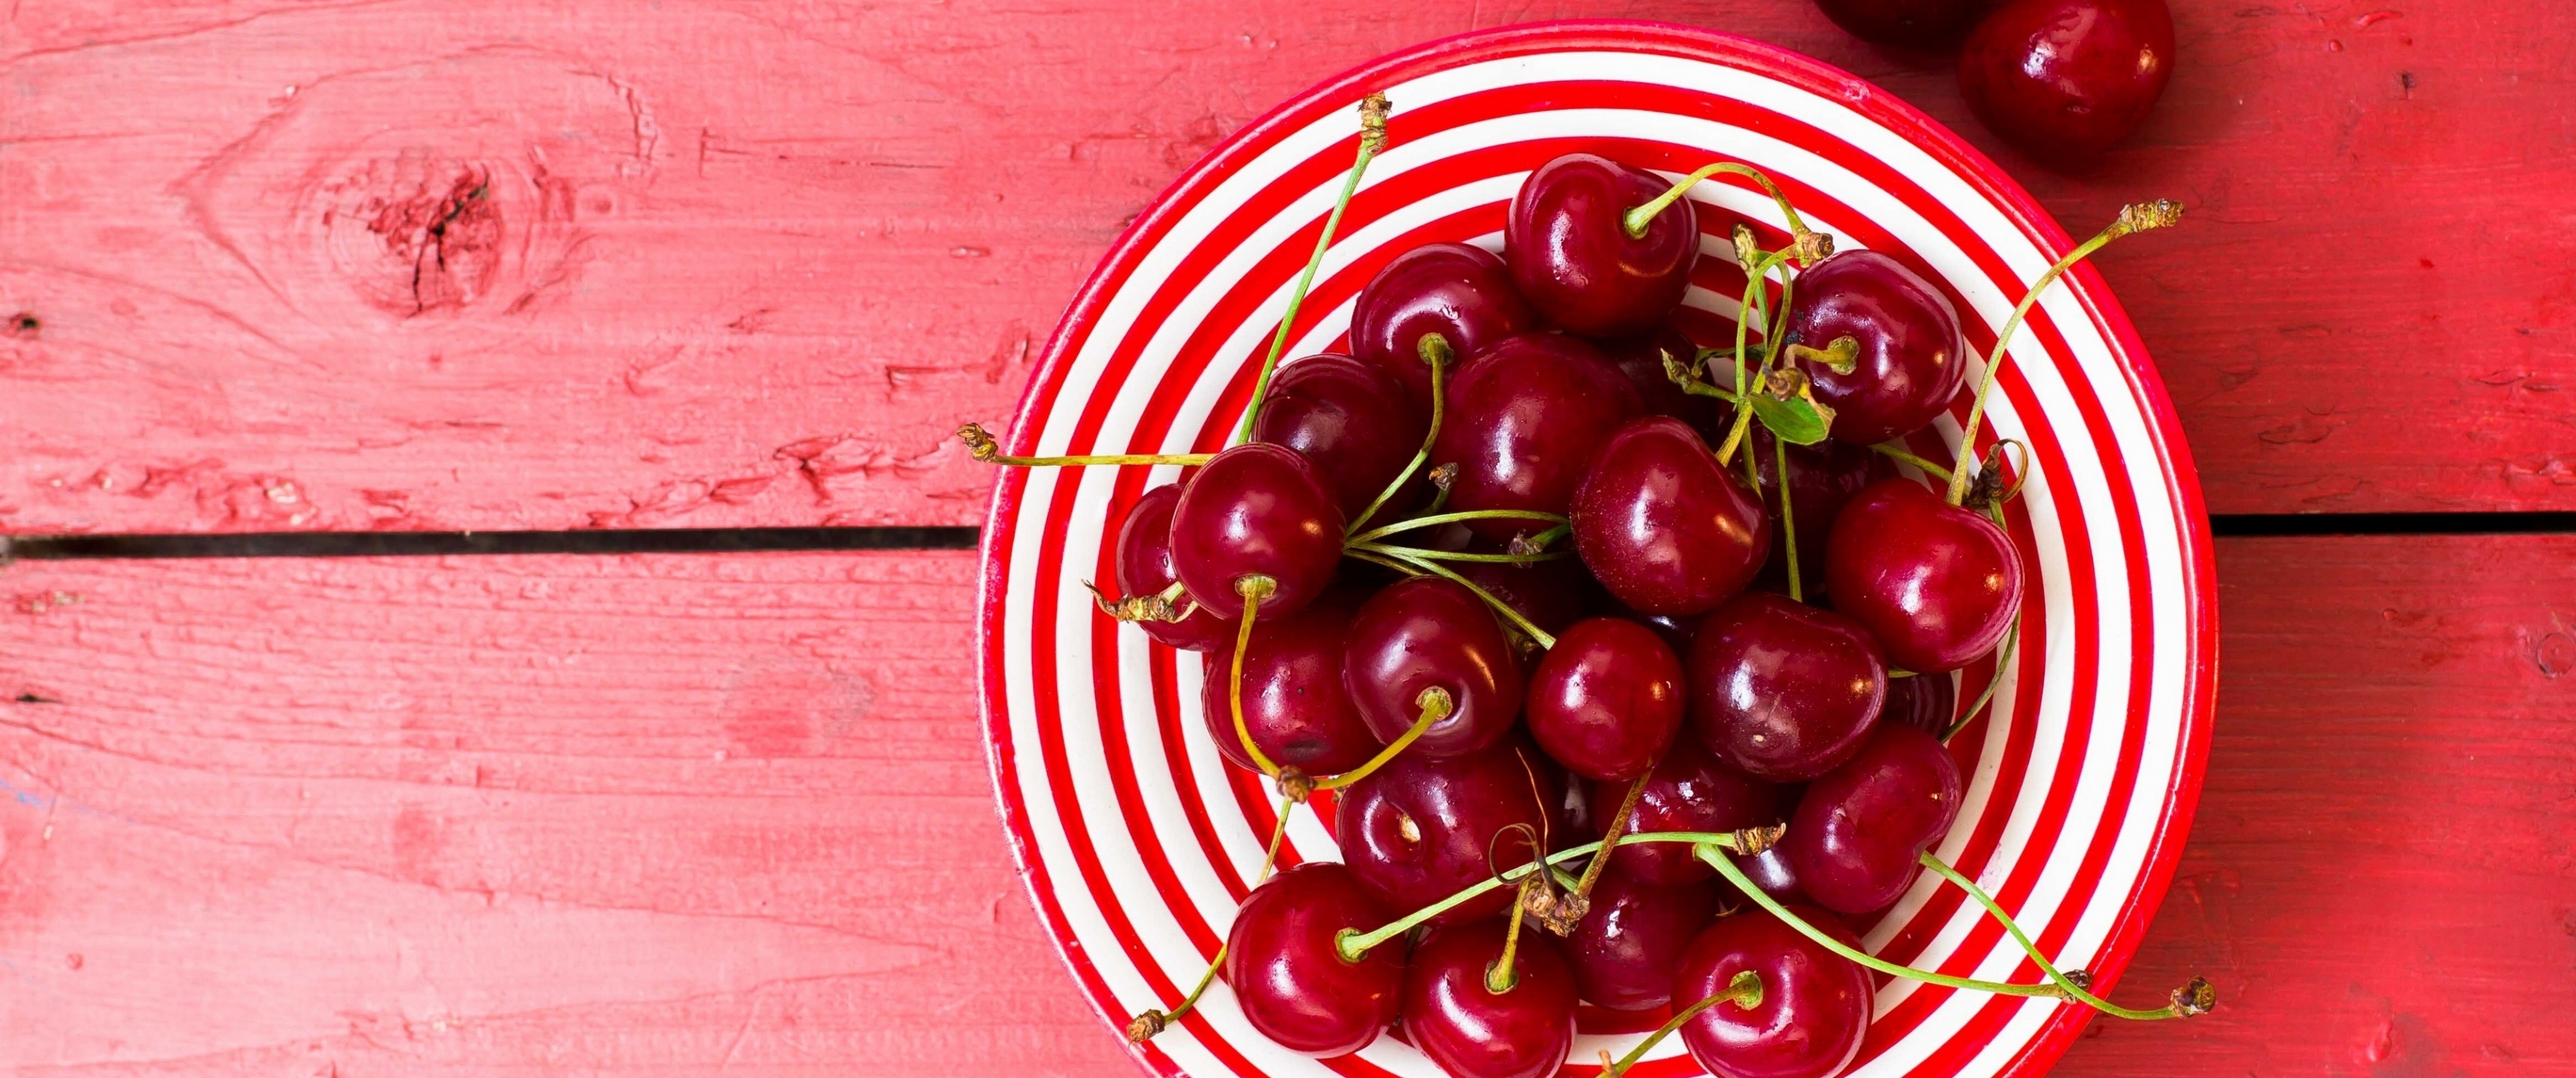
<point x="735" y="540"/>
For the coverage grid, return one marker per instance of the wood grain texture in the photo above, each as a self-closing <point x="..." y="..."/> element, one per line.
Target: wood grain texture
<point x="433" y="264"/>
<point x="671" y="815"/>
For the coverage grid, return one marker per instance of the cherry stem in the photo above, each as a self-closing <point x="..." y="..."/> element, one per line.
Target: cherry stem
<point x="1900" y="456"/>
<point x="1435" y="351"/>
<point x="981" y="446"/>
<point x="2135" y="217"/>
<point x="1417" y="523"/>
<point x="1753" y="279"/>
<point x="1352" y="944"/>
<point x="1373" y="110"/>
<point x="1435" y="704"/>
<point x="1503" y="975"/>
<point x="1610" y="837"/>
<point x="1636" y="220"/>
<point x="1144" y="1026"/>
<point x="1164" y="605"/>
<point x="2003" y="658"/>
<point x="2191" y="1000"/>
<point x="1744" y="990"/>
<point x="1454" y="555"/>
<point x="1681" y="376"/>
<point x="1788" y="520"/>
<point x="1253" y="587"/>
<point x="1403" y="554"/>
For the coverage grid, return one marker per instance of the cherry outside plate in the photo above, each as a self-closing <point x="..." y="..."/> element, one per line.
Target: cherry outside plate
<point x="1137" y="840"/>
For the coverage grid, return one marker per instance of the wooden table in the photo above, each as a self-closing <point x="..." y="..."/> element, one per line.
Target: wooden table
<point x="427" y="265"/>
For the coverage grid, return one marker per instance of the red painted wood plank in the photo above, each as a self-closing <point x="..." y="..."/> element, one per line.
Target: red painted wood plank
<point x="657" y="814"/>
<point x="424" y="264"/>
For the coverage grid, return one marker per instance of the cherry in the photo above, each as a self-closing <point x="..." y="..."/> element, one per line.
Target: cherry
<point x="2065" y="79"/>
<point x="1607" y="699"/>
<point x="1926" y="702"/>
<point x="1814" y="1006"/>
<point x="1938" y="585"/>
<point x="1452" y="1013"/>
<point x="1627" y="948"/>
<point x="1641" y="359"/>
<point x="1426" y="633"/>
<point x="1419" y="828"/>
<point x="1821" y="479"/>
<point x="1256" y="511"/>
<point x="1348" y="419"/>
<point x="1783" y="691"/>
<point x="1522" y="424"/>
<point x="1860" y="827"/>
<point x="1909" y="360"/>
<point x="1291" y="981"/>
<point x="1145" y="568"/>
<point x="1460" y="292"/>
<point x="1551" y="594"/>
<point x="1662" y="525"/>
<point x="1926" y="25"/>
<point x="1293" y="700"/>
<point x="1571" y="254"/>
<point x="1688" y="791"/>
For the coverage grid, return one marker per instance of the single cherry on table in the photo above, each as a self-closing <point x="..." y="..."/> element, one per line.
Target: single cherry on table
<point x="1571" y="253"/>
<point x="1282" y="960"/>
<point x="2065" y="80"/>
<point x="1460" y="293"/>
<point x="1453" y="1013"/>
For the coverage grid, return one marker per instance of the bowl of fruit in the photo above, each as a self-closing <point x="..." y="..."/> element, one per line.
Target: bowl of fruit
<point x="1601" y="548"/>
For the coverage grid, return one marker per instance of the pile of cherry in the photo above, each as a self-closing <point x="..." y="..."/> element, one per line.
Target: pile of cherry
<point x="1577" y="618"/>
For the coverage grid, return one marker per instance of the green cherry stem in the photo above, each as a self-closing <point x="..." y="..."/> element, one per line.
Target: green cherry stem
<point x="1725" y="866"/>
<point x="1353" y="944"/>
<point x="2135" y="217"/>
<point x="1435" y="704"/>
<point x="1253" y="588"/>
<point x="1373" y="112"/>
<point x="1744" y="990"/>
<point x="2004" y="658"/>
<point x="1417" y="523"/>
<point x="1635" y="221"/>
<point x="1144" y="1026"/>
<point x="2185" y="1003"/>
<point x="981" y="445"/>
<point x="1788" y="520"/>
<point x="1544" y="638"/>
<point x="1454" y="555"/>
<point x="1760" y="272"/>
<point x="1891" y="452"/>
<point x="1435" y="351"/>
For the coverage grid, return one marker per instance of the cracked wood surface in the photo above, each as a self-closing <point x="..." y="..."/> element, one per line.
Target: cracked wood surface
<point x="676" y="814"/>
<point x="423" y="264"/>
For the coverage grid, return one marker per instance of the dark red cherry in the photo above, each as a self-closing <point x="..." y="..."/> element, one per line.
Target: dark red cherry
<point x="1145" y="568"/>
<point x="1472" y="1031"/>
<point x="1662" y="526"/>
<point x="1289" y="977"/>
<point x="1607" y="699"/>
<point x="1926" y="702"/>
<point x="1909" y="360"/>
<point x="1821" y="478"/>
<point x="1348" y="419"/>
<point x="1522" y="424"/>
<point x="1689" y="791"/>
<point x="1781" y="690"/>
<point x="1641" y="359"/>
<point x="1460" y="292"/>
<point x="1428" y="632"/>
<point x="2065" y="79"/>
<point x="1925" y="25"/>
<point x="1860" y="827"/>
<point x="1571" y="255"/>
<point x="1417" y="830"/>
<point x="1815" y="1003"/>
<point x="1256" y="510"/>
<point x="1293" y="700"/>
<point x="1936" y="584"/>
<point x="1551" y="594"/>
<point x="1627" y="948"/>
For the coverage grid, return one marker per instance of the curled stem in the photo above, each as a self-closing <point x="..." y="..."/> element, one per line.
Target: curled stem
<point x="1353" y="944"/>
<point x="1373" y="112"/>
<point x="2135" y="217"/>
<point x="981" y="446"/>
<point x="2180" y="1007"/>
<point x="1435" y="704"/>
<point x="1744" y="990"/>
<point x="1435" y="351"/>
<point x="2004" y="658"/>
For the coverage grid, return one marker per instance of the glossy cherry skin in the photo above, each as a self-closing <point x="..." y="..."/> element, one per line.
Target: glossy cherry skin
<point x="1911" y="360"/>
<point x="1474" y="1032"/>
<point x="1781" y="690"/>
<point x="1935" y="583"/>
<point x="1689" y="791"/>
<point x="1628" y="946"/>
<point x="1822" y="478"/>
<point x="2065" y="79"/>
<point x="1925" y="25"/>
<point x="1293" y="700"/>
<point x="1551" y="594"/>
<point x="1256" y="509"/>
<point x="1522" y="424"/>
<point x="1860" y="827"/>
<point x="1663" y="526"/>
<point x="1144" y="567"/>
<point x="1607" y="699"/>
<point x="1287" y="974"/>
<point x="1460" y="292"/>
<point x="1416" y="830"/>
<point x="1815" y="1003"/>
<point x="1926" y="702"/>
<point x="1350" y="421"/>
<point x="1571" y="255"/>
<point x="1426" y="632"/>
<point x="1641" y="359"/>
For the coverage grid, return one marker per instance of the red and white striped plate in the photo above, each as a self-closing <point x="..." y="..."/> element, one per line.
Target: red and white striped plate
<point x="1136" y="839"/>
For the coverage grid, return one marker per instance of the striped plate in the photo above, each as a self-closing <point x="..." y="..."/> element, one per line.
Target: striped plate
<point x="1137" y="841"/>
